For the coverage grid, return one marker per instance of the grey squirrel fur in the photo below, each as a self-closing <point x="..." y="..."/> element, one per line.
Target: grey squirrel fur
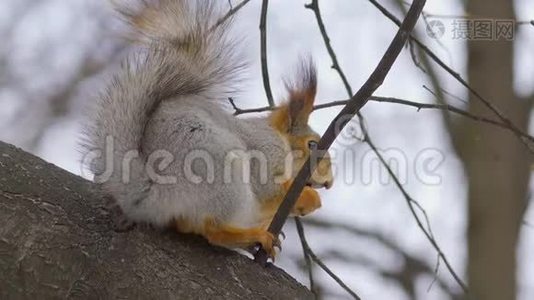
<point x="168" y="99"/>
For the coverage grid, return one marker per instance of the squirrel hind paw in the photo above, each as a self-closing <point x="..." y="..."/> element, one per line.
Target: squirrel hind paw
<point x="244" y="238"/>
<point x="123" y="225"/>
<point x="120" y="222"/>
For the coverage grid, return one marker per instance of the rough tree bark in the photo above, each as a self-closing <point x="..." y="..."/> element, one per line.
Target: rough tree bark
<point x="56" y="241"/>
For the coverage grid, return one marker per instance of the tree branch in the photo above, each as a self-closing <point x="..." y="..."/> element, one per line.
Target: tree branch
<point x="307" y="259"/>
<point x="231" y="12"/>
<point x="412" y="204"/>
<point x="263" y="46"/>
<point x="423" y="62"/>
<point x="57" y="242"/>
<point x="314" y="6"/>
<point x="418" y="105"/>
<point x="412" y="263"/>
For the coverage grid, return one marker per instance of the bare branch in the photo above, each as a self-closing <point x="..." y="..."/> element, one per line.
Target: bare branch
<point x="429" y="69"/>
<point x="307" y="259"/>
<point x="309" y="252"/>
<point x="414" y="266"/>
<point x="414" y="57"/>
<point x="418" y="105"/>
<point x="447" y="107"/>
<point x="231" y="12"/>
<point x="314" y="6"/>
<point x="264" y="65"/>
<point x="412" y="204"/>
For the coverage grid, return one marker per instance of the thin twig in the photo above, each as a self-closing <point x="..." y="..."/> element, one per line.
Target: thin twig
<point x="427" y="65"/>
<point x="457" y="98"/>
<point x="411" y="204"/>
<point x="309" y="252"/>
<point x="374" y="81"/>
<point x="230" y="13"/>
<point x="414" y="57"/>
<point x="263" y="50"/>
<point x="520" y="23"/>
<point x="314" y="5"/>
<point x="418" y="105"/>
<point x="448" y="107"/>
<point x="427" y="24"/>
<point x="436" y="275"/>
<point x="378" y="237"/>
<point x="305" y="247"/>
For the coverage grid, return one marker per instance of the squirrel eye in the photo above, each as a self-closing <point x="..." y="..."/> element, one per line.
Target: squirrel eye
<point x="312" y="145"/>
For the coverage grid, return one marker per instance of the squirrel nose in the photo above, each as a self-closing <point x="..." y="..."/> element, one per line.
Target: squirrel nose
<point x="328" y="184"/>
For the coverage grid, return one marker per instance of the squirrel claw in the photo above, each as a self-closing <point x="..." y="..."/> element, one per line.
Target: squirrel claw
<point x="277" y="244"/>
<point x="269" y="243"/>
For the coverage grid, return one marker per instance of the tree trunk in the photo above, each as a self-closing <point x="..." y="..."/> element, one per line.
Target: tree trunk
<point x="497" y="164"/>
<point x="56" y="241"/>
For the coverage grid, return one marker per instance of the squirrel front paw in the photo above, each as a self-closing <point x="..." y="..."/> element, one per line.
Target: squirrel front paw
<point x="308" y="202"/>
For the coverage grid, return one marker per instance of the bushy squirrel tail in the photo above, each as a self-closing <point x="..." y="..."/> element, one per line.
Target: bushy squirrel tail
<point x="182" y="53"/>
<point x="194" y="53"/>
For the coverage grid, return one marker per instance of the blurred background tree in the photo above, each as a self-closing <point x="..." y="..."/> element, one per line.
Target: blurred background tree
<point x="497" y="164"/>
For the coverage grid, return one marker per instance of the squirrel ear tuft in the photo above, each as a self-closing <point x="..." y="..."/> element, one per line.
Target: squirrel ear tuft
<point x="302" y="90"/>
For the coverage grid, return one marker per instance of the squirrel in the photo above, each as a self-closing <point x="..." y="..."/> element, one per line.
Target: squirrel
<point x="174" y="145"/>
